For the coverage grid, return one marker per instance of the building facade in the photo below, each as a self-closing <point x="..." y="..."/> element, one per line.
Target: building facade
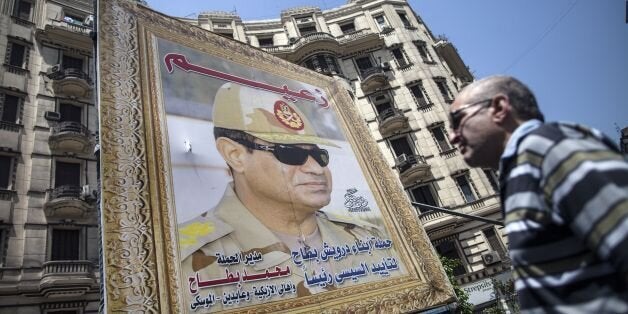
<point x="403" y="80"/>
<point x="49" y="235"/>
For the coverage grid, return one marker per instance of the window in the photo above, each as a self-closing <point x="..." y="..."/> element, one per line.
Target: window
<point x="494" y="242"/>
<point x="17" y="55"/>
<point x="266" y="42"/>
<point x="70" y="62"/>
<point x="404" y="20"/>
<point x="5" y="172"/>
<point x="400" y="57"/>
<point x="347" y="28"/>
<point x="226" y="35"/>
<point x="382" y="103"/>
<point x="65" y="245"/>
<point x="419" y="95"/>
<point x="23" y="10"/>
<point x="465" y="188"/>
<point x="424" y="52"/>
<point x="304" y="30"/>
<point x="401" y="146"/>
<point x="9" y="108"/>
<point x="70" y="112"/>
<point x="381" y="22"/>
<point x="448" y="249"/>
<point x="441" y="83"/>
<point x="492" y="179"/>
<point x="404" y="153"/>
<point x="67" y="174"/>
<point x="364" y="63"/>
<point x="440" y="136"/>
<point x="323" y="63"/>
<point x="424" y="194"/>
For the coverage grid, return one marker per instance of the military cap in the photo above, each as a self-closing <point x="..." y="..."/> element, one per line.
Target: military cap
<point x="265" y="115"/>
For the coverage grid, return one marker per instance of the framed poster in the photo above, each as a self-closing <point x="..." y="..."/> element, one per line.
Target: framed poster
<point x="236" y="181"/>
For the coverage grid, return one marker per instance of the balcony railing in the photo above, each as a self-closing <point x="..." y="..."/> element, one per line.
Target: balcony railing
<point x="370" y="71"/>
<point x="67" y="268"/>
<point x="423" y="105"/>
<point x="72" y="127"/>
<point x="317" y="36"/>
<point x="389" y="113"/>
<point x="63" y="73"/>
<point x="345" y="38"/>
<point x="70" y="191"/>
<point x="9" y="126"/>
<point x="76" y="27"/>
<point x="7" y="195"/>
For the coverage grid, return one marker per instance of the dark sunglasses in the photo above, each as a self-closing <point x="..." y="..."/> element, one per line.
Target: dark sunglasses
<point x="290" y="154"/>
<point x="456" y="115"/>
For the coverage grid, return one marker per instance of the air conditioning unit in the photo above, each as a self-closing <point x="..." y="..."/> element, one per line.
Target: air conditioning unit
<point x="52" y="116"/>
<point x="401" y="159"/>
<point x="292" y="40"/>
<point x="53" y="69"/>
<point x="385" y="66"/>
<point x="491" y="258"/>
<point x="85" y="191"/>
<point x="89" y="21"/>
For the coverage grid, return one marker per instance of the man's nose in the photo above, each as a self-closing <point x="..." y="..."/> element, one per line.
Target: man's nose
<point x="312" y="166"/>
<point x="454" y="137"/>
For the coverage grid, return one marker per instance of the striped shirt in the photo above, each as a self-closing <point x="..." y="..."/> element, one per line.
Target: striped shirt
<point x="564" y="192"/>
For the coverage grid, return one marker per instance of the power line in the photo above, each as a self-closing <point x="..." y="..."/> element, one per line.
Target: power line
<point x="547" y="31"/>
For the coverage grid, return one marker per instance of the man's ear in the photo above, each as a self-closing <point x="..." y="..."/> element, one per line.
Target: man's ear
<point x="501" y="109"/>
<point x="232" y="152"/>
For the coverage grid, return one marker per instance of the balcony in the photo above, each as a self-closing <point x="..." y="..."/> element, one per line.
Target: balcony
<point x="70" y="82"/>
<point x="359" y="40"/>
<point x="69" y="202"/>
<point x="412" y="169"/>
<point x="70" y="136"/>
<point x="372" y="79"/>
<point x="303" y="46"/>
<point x="67" y="278"/>
<point x="423" y="105"/>
<point x="449" y="53"/>
<point x="73" y="34"/>
<point x="391" y="121"/>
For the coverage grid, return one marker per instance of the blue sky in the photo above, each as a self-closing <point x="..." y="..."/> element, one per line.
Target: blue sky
<point x="572" y="53"/>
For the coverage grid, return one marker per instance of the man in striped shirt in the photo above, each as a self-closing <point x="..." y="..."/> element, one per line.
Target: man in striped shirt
<point x="564" y="192"/>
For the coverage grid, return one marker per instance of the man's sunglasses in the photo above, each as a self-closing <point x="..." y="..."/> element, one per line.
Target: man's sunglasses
<point x="456" y="115"/>
<point x="290" y="154"/>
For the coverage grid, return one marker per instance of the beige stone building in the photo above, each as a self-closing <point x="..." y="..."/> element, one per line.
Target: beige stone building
<point x="403" y="80"/>
<point x="401" y="77"/>
<point x="49" y="235"/>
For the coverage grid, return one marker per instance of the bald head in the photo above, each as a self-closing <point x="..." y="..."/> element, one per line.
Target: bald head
<point x="519" y="95"/>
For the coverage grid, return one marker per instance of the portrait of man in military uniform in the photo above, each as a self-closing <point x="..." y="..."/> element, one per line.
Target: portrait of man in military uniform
<point x="267" y="238"/>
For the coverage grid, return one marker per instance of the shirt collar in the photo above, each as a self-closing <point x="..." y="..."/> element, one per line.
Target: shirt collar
<point x="519" y="133"/>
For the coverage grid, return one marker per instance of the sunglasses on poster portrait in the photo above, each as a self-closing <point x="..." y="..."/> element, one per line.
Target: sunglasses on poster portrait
<point x="290" y="154"/>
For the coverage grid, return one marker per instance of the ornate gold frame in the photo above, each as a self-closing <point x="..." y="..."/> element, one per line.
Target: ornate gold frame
<point x="139" y="229"/>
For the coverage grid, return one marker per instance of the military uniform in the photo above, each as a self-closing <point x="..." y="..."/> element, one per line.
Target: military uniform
<point x="231" y="229"/>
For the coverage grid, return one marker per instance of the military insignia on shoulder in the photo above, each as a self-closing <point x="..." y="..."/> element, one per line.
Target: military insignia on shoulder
<point x="199" y="231"/>
<point x="288" y="116"/>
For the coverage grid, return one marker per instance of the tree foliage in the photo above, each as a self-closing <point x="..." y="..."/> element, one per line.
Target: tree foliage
<point x="464" y="306"/>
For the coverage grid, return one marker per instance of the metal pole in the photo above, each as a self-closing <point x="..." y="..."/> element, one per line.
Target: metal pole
<point x="455" y="213"/>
